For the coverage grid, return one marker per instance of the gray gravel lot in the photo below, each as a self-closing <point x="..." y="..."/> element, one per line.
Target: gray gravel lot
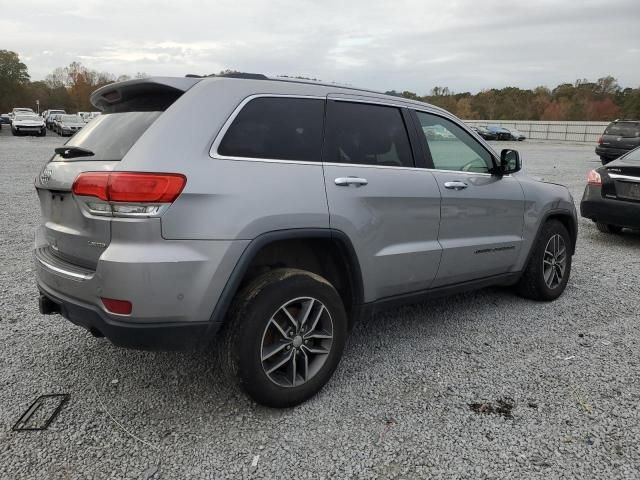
<point x="398" y="406"/>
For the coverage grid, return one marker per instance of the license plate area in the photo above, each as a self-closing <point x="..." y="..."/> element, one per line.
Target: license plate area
<point x="628" y="190"/>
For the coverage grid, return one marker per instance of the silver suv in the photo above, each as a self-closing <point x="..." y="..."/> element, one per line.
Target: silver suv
<point x="271" y="215"/>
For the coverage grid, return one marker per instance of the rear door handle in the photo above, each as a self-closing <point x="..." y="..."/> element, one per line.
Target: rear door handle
<point x="455" y="185"/>
<point x="346" y="181"/>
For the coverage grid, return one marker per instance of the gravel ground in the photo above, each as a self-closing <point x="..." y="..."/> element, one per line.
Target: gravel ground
<point x="555" y="383"/>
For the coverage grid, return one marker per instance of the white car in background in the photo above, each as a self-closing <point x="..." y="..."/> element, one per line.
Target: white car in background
<point x="28" y="125"/>
<point x="21" y="111"/>
<point x="88" y="116"/>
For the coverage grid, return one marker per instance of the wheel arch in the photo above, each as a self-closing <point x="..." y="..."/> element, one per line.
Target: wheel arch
<point x="566" y="218"/>
<point x="342" y="251"/>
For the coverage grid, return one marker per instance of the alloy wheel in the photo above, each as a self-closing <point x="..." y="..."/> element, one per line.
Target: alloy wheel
<point x="554" y="261"/>
<point x="296" y="342"/>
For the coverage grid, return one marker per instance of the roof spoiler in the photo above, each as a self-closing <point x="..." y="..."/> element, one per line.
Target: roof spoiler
<point x="144" y="94"/>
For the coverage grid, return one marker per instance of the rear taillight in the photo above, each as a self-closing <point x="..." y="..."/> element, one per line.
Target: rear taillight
<point x="128" y="193"/>
<point x="593" y="178"/>
<point x="600" y="140"/>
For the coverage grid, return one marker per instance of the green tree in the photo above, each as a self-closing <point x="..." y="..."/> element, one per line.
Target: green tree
<point x="14" y="77"/>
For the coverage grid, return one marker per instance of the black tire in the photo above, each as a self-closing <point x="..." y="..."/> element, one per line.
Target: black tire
<point x="43" y="133"/>
<point x="14" y="133"/>
<point x="532" y="284"/>
<point x="604" y="160"/>
<point x="241" y="346"/>
<point x="608" y="228"/>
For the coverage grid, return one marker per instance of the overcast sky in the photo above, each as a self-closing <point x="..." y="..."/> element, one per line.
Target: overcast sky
<point x="400" y="44"/>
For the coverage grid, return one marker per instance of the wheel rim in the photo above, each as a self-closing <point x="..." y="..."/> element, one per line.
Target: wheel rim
<point x="296" y="342"/>
<point x="554" y="261"/>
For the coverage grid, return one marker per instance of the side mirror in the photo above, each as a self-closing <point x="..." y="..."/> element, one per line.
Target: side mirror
<point x="510" y="161"/>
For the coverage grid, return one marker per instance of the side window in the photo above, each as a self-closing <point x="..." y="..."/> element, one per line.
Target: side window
<point x="452" y="148"/>
<point x="276" y="128"/>
<point x="366" y="134"/>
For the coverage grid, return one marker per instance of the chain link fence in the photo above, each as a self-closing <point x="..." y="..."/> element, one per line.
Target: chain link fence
<point x="557" y="131"/>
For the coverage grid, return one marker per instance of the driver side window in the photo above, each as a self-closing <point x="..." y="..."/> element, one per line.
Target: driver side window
<point x="451" y="147"/>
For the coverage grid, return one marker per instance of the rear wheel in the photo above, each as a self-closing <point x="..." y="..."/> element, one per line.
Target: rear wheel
<point x="608" y="228"/>
<point x="285" y="338"/>
<point x="604" y="160"/>
<point x="549" y="267"/>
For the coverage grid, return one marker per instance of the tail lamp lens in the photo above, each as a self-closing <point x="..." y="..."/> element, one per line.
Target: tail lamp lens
<point x="130" y="187"/>
<point x="121" y="307"/>
<point x="594" y="178"/>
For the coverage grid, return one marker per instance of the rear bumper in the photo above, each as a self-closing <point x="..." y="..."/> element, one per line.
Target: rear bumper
<point x="613" y="212"/>
<point x="610" y="152"/>
<point x="146" y="336"/>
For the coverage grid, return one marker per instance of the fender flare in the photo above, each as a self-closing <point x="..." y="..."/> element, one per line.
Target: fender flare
<point x="556" y="212"/>
<point x="237" y="275"/>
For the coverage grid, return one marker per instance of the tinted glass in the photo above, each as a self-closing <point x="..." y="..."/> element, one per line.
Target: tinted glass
<point x="111" y="136"/>
<point x="624" y="129"/>
<point x="366" y="134"/>
<point x="632" y="156"/>
<point x="451" y="147"/>
<point x="276" y="128"/>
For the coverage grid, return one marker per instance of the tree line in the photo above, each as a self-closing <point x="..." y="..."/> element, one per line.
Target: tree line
<point x="66" y="87"/>
<point x="603" y="100"/>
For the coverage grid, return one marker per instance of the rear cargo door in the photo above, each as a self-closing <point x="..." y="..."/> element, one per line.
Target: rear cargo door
<point x="72" y="233"/>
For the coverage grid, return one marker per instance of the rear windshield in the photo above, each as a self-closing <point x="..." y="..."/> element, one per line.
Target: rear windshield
<point x="624" y="129"/>
<point x="632" y="156"/>
<point x="111" y="136"/>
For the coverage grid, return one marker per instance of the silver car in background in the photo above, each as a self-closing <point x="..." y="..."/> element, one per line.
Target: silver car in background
<point x="67" y="125"/>
<point x="284" y="213"/>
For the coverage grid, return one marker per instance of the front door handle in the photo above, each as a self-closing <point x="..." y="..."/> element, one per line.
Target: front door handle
<point x="346" y="181"/>
<point x="455" y="185"/>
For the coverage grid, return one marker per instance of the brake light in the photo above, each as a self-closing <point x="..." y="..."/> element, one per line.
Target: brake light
<point x="600" y="140"/>
<point x="593" y="178"/>
<point x="130" y="187"/>
<point x="121" y="307"/>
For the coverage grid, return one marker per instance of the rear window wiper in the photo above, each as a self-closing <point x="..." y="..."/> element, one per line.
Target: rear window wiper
<point x="72" y="152"/>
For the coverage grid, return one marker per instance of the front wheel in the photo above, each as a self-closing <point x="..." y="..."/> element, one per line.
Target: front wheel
<point x="549" y="267"/>
<point x="285" y="338"/>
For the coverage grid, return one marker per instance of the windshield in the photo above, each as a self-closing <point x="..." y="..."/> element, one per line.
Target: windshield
<point x="111" y="136"/>
<point x="624" y="129"/>
<point x="70" y="118"/>
<point x="27" y="117"/>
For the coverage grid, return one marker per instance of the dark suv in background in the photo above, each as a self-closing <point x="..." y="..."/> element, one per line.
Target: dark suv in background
<point x="620" y="137"/>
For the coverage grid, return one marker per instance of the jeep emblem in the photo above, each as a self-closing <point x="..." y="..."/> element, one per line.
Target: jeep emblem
<point x="45" y="176"/>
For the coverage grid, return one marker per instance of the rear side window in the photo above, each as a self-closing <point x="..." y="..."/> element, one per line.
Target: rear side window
<point x="623" y="129"/>
<point x="276" y="128"/>
<point x="366" y="134"/>
<point x="111" y="136"/>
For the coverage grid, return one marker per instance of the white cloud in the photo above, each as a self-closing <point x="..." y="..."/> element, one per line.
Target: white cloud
<point x="406" y="44"/>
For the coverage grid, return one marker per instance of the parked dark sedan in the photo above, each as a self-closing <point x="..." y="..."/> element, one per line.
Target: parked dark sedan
<point x="516" y="134"/>
<point x="484" y="133"/>
<point x="500" y="132"/>
<point x="619" y="137"/>
<point x="612" y="196"/>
